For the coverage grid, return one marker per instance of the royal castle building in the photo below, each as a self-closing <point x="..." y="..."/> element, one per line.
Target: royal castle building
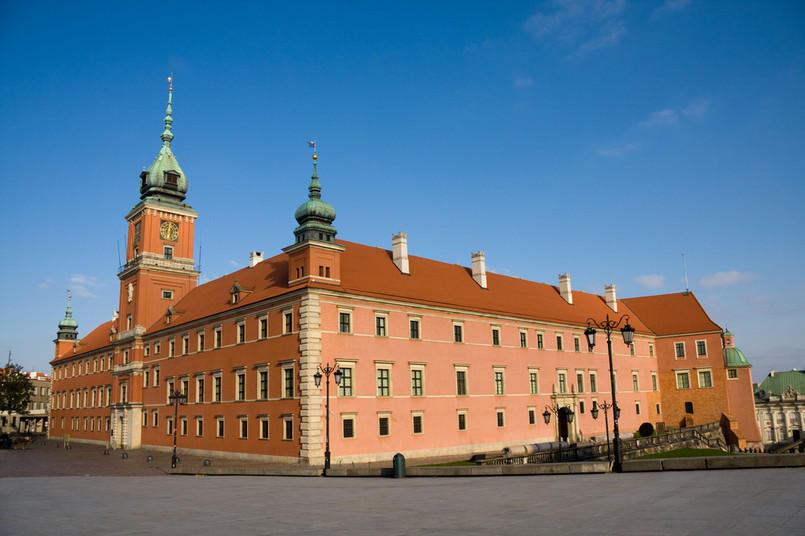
<point x="434" y="358"/>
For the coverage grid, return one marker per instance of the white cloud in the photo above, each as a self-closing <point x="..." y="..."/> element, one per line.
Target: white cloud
<point x="82" y="285"/>
<point x="651" y="281"/>
<point x="696" y="108"/>
<point x="617" y="151"/>
<point x="584" y="25"/>
<point x="725" y="279"/>
<point x="236" y="264"/>
<point x="661" y="118"/>
<point x="670" y="6"/>
<point x="47" y="283"/>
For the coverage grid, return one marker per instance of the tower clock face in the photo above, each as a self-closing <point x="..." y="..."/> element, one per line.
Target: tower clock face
<point x="169" y="230"/>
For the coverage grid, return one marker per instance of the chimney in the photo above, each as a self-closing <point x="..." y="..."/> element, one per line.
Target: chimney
<point x="399" y="246"/>
<point x="771" y="374"/>
<point x="479" y="268"/>
<point x="564" y="288"/>
<point x="255" y="257"/>
<point x="612" y="301"/>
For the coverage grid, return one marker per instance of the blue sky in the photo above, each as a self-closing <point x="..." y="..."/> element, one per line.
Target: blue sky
<point x="599" y="138"/>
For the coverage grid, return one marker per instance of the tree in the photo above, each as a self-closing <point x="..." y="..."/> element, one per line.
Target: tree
<point x="16" y="389"/>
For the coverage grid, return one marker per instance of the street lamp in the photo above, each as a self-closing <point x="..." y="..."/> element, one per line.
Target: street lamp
<point x="337" y="375"/>
<point x="627" y="332"/>
<point x="594" y="413"/>
<point x="175" y="398"/>
<point x="546" y="415"/>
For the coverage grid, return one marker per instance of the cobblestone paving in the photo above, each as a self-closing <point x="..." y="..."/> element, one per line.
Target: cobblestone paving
<point x="132" y="500"/>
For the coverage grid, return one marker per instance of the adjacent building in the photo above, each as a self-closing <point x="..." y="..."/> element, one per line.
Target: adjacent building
<point x="780" y="403"/>
<point x="435" y="358"/>
<point x="35" y="419"/>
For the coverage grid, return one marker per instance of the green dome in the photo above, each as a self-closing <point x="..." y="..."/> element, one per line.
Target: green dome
<point x="315" y="217"/>
<point x="735" y="358"/>
<point x="68" y="327"/>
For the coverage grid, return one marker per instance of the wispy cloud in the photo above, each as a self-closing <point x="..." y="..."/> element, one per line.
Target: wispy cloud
<point x="522" y="81"/>
<point x="583" y="25"/>
<point x="236" y="264"/>
<point x="697" y="108"/>
<point x="660" y="118"/>
<point x="651" y="281"/>
<point x="725" y="279"/>
<point x="617" y="151"/>
<point x="670" y="6"/>
<point x="82" y="285"/>
<point x="47" y="283"/>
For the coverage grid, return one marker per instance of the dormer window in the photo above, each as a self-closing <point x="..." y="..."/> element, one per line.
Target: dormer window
<point x="171" y="178"/>
<point x="234" y="299"/>
<point x="237" y="292"/>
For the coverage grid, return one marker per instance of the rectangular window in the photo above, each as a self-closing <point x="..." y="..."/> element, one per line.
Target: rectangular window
<point x="201" y="342"/>
<point x="576" y="344"/>
<point x="241" y="386"/>
<point x="169" y="423"/>
<point x="417" y="424"/>
<point x="653" y="381"/>
<point x="183" y="426"/>
<point x="540" y="341"/>
<point x="241" y="333"/>
<point x="167" y="252"/>
<point x="679" y="347"/>
<point x="289" y="382"/>
<point x="216" y="388"/>
<point x="344" y="322"/>
<point x="705" y="378"/>
<point x="523" y="339"/>
<point x="262" y="378"/>
<point x="416" y="382"/>
<point x="701" y="348"/>
<point x="635" y="382"/>
<point x="559" y="343"/>
<point x="263" y="427"/>
<point x="155" y="418"/>
<point x="382" y="426"/>
<point x="593" y="382"/>
<point x="348" y="427"/>
<point x="380" y="326"/>
<point x="682" y="380"/>
<point x="414" y="328"/>
<point x="287" y="428"/>
<point x="461" y="382"/>
<point x="171" y="348"/>
<point x="532" y="416"/>
<point x="263" y="328"/>
<point x="581" y="407"/>
<point x="383" y="382"/>
<point x="345" y="387"/>
<point x="145" y="418"/>
<point x="533" y="383"/>
<point x="146" y="377"/>
<point x="244" y="428"/>
<point x="289" y="329"/>
<point x="637" y="408"/>
<point x="219" y="429"/>
<point x="651" y="350"/>
<point x="580" y="381"/>
<point x="501" y="418"/>
<point x="499" y="387"/>
<point x="495" y="336"/>
<point x="218" y="337"/>
<point x="458" y="335"/>
<point x="199" y="427"/>
<point x="200" y="389"/>
<point x="732" y="373"/>
<point x="562" y="382"/>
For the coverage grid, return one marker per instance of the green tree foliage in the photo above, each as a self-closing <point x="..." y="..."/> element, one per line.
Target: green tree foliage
<point x="16" y="389"/>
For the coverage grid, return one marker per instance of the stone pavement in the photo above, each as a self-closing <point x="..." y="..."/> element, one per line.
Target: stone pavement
<point x="736" y="502"/>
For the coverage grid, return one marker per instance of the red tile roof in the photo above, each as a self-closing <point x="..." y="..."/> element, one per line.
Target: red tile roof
<point x="94" y="340"/>
<point x="670" y="314"/>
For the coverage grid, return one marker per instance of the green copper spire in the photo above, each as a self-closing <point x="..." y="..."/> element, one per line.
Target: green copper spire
<point x="164" y="182"/>
<point x="315" y="217"/>
<point x="68" y="327"/>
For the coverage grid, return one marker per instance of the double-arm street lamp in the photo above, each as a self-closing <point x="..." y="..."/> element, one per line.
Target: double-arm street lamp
<point x="594" y="413"/>
<point x="175" y="398"/>
<point x="337" y="375"/>
<point x="628" y="336"/>
<point x="556" y="410"/>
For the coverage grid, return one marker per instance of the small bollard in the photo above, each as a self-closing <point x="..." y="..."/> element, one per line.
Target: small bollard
<point x="207" y="462"/>
<point x="149" y="459"/>
<point x="106" y="452"/>
<point x="125" y="455"/>
<point x="399" y="466"/>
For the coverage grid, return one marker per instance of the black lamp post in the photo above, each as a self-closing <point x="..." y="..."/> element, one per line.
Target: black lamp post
<point x="594" y="413"/>
<point x="546" y="415"/>
<point x="175" y="398"/>
<point x="628" y="336"/>
<point x="337" y="375"/>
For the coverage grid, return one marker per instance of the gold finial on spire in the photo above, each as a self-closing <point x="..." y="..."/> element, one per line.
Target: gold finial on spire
<point x="170" y="82"/>
<point x="313" y="144"/>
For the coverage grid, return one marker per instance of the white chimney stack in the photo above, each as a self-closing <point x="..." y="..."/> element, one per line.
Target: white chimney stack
<point x="255" y="257"/>
<point x="612" y="301"/>
<point x="399" y="245"/>
<point x="564" y="288"/>
<point x="479" y="268"/>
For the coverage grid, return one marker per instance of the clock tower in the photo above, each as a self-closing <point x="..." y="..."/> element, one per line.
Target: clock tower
<point x="159" y="267"/>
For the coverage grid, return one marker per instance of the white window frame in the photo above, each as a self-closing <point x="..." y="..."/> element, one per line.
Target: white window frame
<point x="704" y="355"/>
<point x="347" y="312"/>
<point x="349" y="417"/>
<point x="420" y="367"/>
<point x="421" y="416"/>
<point x="680" y="373"/>
<point x="699" y="373"/>
<point x="535" y="372"/>
<point x="387" y="366"/>
<point x="499" y="376"/>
